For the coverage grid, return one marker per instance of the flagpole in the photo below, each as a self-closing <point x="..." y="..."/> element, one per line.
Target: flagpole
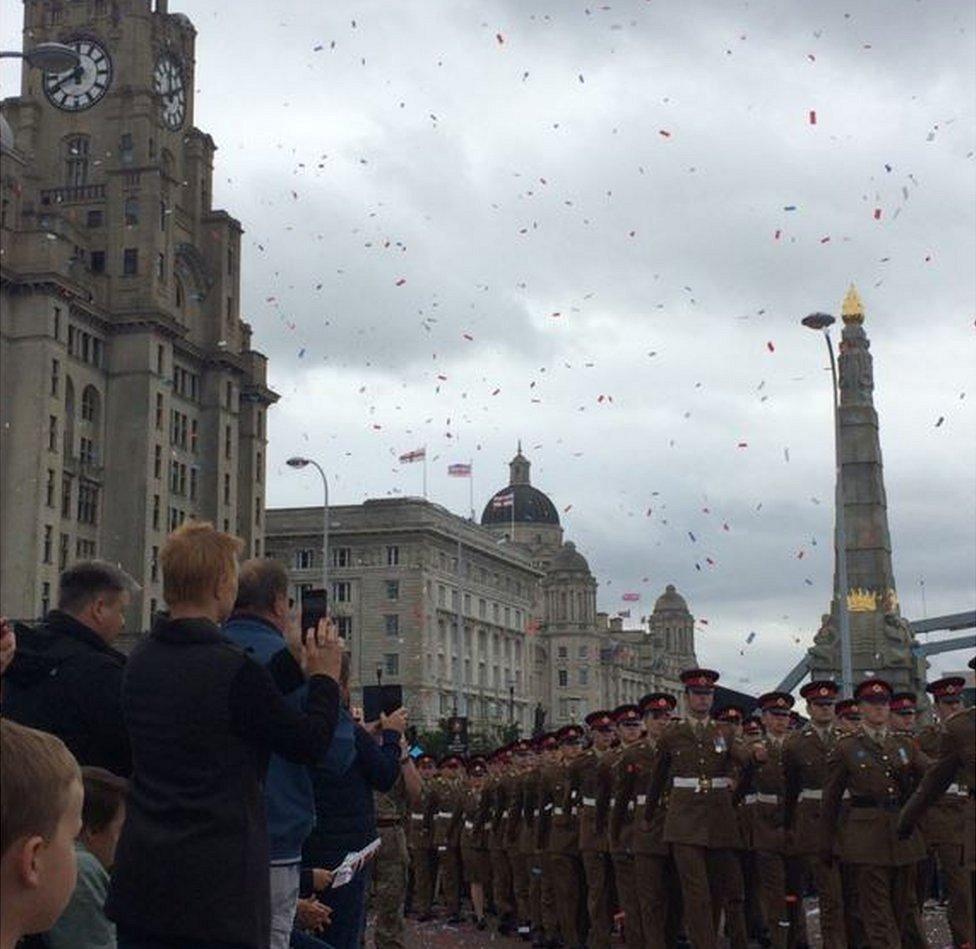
<point x="471" y="486"/>
<point x="425" y="472"/>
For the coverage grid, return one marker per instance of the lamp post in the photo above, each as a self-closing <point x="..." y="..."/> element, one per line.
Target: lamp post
<point x="48" y="57"/>
<point x="823" y="322"/>
<point x="299" y="462"/>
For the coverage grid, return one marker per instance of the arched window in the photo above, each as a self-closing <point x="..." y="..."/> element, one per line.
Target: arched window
<point x="76" y="160"/>
<point x="90" y="405"/>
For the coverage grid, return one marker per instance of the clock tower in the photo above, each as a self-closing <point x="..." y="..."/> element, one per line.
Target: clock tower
<point x="131" y="396"/>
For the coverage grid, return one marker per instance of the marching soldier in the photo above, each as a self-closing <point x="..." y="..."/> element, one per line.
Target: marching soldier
<point x="589" y="772"/>
<point x="498" y="789"/>
<point x="904" y="712"/>
<point x="804" y="772"/>
<point x="751" y="731"/>
<point x="447" y="833"/>
<point x="630" y="728"/>
<point x="695" y="761"/>
<point x="656" y="896"/>
<point x="541" y="893"/>
<point x="474" y="857"/>
<point x="520" y="861"/>
<point x="420" y="839"/>
<point x="942" y="824"/>
<point x="876" y="766"/>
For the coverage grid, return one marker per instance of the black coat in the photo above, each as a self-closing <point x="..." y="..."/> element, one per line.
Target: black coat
<point x="203" y="718"/>
<point x="67" y="681"/>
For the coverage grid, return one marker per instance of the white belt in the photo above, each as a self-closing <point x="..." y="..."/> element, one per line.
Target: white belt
<point x="959" y="789"/>
<point x="767" y="798"/>
<point x="558" y="811"/>
<point x="641" y="800"/>
<point x="442" y="848"/>
<point x="811" y="794"/>
<point x="548" y="807"/>
<point x="416" y="817"/>
<point x="589" y="802"/>
<point x="750" y="799"/>
<point x="702" y="784"/>
<point x="504" y="814"/>
<point x="469" y="825"/>
<point x="446" y="815"/>
<point x="611" y="802"/>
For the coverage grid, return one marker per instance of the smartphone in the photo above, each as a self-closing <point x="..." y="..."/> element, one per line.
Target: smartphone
<point x="315" y="605"/>
<point x="384" y="699"/>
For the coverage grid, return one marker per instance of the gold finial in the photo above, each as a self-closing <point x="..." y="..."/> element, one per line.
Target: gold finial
<point x="852" y="310"/>
<point x="862" y="601"/>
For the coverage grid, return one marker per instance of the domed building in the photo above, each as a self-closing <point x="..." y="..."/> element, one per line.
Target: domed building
<point x="671" y="630"/>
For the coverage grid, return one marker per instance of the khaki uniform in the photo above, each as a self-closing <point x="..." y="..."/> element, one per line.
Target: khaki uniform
<point x="474" y="854"/>
<point x="447" y="833"/>
<point x="559" y="837"/>
<point x="542" y="901"/>
<point x="697" y="763"/>
<point x="496" y="791"/>
<point x="589" y="772"/>
<point x="519" y="862"/>
<point x="621" y="833"/>
<point x="877" y="770"/>
<point x="390" y="867"/>
<point x="656" y="896"/>
<point x="804" y="772"/>
<point x="420" y="841"/>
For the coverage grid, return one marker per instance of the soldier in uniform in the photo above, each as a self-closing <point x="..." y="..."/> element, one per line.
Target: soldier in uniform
<point x="447" y="833"/>
<point x="942" y="824"/>
<point x="520" y="861"/>
<point x="497" y="790"/>
<point x="474" y="856"/>
<point x="877" y="767"/>
<point x="588" y="773"/>
<point x="420" y="839"/>
<point x="804" y="771"/>
<point x="696" y="762"/>
<point x="656" y="902"/>
<point x="541" y="893"/>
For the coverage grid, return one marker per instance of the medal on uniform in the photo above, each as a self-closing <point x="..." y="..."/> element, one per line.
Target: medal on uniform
<point x="720" y="744"/>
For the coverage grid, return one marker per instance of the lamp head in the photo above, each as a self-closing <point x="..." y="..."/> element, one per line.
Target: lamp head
<point x="52" y="57"/>
<point x="296" y="462"/>
<point x="818" y="321"/>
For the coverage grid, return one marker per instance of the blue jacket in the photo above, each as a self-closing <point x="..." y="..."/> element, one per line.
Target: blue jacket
<point x="354" y="766"/>
<point x="288" y="798"/>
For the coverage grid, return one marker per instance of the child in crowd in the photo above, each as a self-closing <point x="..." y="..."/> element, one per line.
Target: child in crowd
<point x="83" y="924"/>
<point x="40" y="816"/>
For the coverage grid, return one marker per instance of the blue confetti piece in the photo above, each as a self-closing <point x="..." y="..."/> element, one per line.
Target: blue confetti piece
<point x="692" y="536"/>
<point x="789" y="207"/>
<point x="301" y="352"/>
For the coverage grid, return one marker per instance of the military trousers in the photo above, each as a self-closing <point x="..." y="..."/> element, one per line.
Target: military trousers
<point x="390" y="888"/>
<point x="566" y="873"/>
<point x="520" y="883"/>
<point x="596" y="872"/>
<point x="853" y="923"/>
<point x="755" y="924"/>
<point x="710" y="879"/>
<point x="449" y="867"/>
<point x="889" y="910"/>
<point x="658" y="899"/>
<point x="830" y="898"/>
<point x="423" y="863"/>
<point x="623" y="873"/>
<point x="772" y="894"/>
<point x="958" y="887"/>
<point x="501" y="884"/>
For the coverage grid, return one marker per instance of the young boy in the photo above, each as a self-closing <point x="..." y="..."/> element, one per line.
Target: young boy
<point x="84" y="923"/>
<point x="40" y="816"/>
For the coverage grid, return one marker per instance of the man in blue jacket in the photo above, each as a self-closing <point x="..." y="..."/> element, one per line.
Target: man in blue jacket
<point x="262" y="625"/>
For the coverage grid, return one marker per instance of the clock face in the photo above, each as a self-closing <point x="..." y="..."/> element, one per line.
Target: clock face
<point x="170" y="86"/>
<point x="80" y="88"/>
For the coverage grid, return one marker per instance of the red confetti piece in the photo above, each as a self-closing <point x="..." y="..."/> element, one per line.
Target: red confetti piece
<point x="704" y="622"/>
<point x="496" y="391"/>
<point x="776" y="235"/>
<point x="500" y="38"/>
<point x="770" y="347"/>
<point x="442" y="378"/>
<point x="799" y="556"/>
<point x="468" y="336"/>
<point x="377" y="427"/>
<point x="813" y="116"/>
<point x="825" y="240"/>
<point x="743" y="445"/>
<point x="709" y="560"/>
<point x="567" y="508"/>
<point x="557" y="313"/>
<point x="401" y="281"/>
<point x="811" y="57"/>
<point x="664" y="134"/>
<point x="877" y="214"/>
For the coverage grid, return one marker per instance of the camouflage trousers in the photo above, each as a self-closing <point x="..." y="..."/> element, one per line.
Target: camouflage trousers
<point x="390" y="888"/>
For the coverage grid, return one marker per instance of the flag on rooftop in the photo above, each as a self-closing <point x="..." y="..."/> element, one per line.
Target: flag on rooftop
<point x="459" y="471"/>
<point x="504" y="500"/>
<point x="630" y="597"/>
<point x="418" y="454"/>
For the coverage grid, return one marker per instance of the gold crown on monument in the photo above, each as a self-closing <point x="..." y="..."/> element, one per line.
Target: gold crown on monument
<point x="860" y="600"/>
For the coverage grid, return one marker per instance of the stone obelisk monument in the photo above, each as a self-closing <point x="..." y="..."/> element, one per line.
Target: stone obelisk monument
<point x="881" y="640"/>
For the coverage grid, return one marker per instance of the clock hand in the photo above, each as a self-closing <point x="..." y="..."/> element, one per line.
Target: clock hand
<point x="73" y="75"/>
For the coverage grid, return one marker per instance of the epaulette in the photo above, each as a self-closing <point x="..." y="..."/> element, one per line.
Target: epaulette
<point x="847" y="735"/>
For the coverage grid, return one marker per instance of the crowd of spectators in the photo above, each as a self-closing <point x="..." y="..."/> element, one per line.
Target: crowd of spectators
<point x="199" y="793"/>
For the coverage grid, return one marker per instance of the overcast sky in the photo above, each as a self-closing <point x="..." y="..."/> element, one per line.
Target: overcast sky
<point x="596" y="228"/>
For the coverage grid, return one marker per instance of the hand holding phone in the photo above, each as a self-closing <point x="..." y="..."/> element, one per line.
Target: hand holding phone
<point x="322" y="650"/>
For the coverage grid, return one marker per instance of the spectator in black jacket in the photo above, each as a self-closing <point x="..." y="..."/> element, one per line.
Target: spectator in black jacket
<point x="191" y="869"/>
<point x="66" y="678"/>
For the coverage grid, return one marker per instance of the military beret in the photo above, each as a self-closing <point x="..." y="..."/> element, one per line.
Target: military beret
<point x="949" y="687"/>
<point x="873" y="690"/>
<point x="699" y="678"/>
<point x="820" y="692"/>
<point x="776" y="702"/>
<point x="659" y="703"/>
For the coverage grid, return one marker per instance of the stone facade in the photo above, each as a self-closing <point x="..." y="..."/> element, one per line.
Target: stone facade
<point x="131" y="396"/>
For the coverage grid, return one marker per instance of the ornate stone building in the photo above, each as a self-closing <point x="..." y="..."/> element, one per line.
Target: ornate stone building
<point x="131" y="396"/>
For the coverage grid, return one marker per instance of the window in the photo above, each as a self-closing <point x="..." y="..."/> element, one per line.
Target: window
<point x="155" y="512"/>
<point x="131" y="211"/>
<point x="125" y="148"/>
<point x="193" y="484"/>
<point x="194" y="435"/>
<point x="158" y="462"/>
<point x="162" y="215"/>
<point x="96" y="261"/>
<point x="161" y="267"/>
<point x="304" y="559"/>
<point x="57" y="322"/>
<point x="76" y="161"/>
<point x="392" y="556"/>
<point x="66" y="496"/>
<point x="341" y="556"/>
<point x="257" y="511"/>
<point x="160" y="352"/>
<point x="159" y="411"/>
<point x="86" y="450"/>
<point x="130" y="261"/>
<point x="563" y="679"/>
<point x="50" y="487"/>
<point x="174" y="477"/>
<point x="45" y="597"/>
<point x="258" y="467"/>
<point x="87" y="504"/>
<point x="89" y="404"/>
<point x="55" y="376"/>
<point x="154" y="565"/>
<point x="229" y="396"/>
<point x="226" y="489"/>
<point x="48" y="540"/>
<point x="230" y="260"/>
<point x="344" y="626"/>
<point x="227" y="441"/>
<point x="260" y="424"/>
<point x="230" y="308"/>
<point x="584" y="676"/>
<point x="63" y="551"/>
<point x="392" y="624"/>
<point x="392" y="586"/>
<point x="342" y="591"/>
<point x="52" y="433"/>
<point x="441" y="595"/>
<point x="584" y="652"/>
<point x="562" y="652"/>
<point x="482" y="609"/>
<point x="391" y="663"/>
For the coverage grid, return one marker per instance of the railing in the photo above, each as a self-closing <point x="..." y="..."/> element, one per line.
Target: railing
<point x="74" y="464"/>
<point x="73" y="194"/>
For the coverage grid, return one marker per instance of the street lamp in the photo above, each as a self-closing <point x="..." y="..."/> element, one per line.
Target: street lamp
<point x="48" y="57"/>
<point x="299" y="462"/>
<point x="822" y="322"/>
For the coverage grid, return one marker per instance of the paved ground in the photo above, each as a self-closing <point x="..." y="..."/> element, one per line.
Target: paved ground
<point x="441" y="934"/>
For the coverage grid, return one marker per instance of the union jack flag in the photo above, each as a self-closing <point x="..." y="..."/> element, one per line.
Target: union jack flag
<point x="418" y="454"/>
<point x="504" y="500"/>
<point x="459" y="471"/>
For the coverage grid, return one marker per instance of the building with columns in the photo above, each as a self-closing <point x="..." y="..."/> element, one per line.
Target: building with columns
<point x="132" y="397"/>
